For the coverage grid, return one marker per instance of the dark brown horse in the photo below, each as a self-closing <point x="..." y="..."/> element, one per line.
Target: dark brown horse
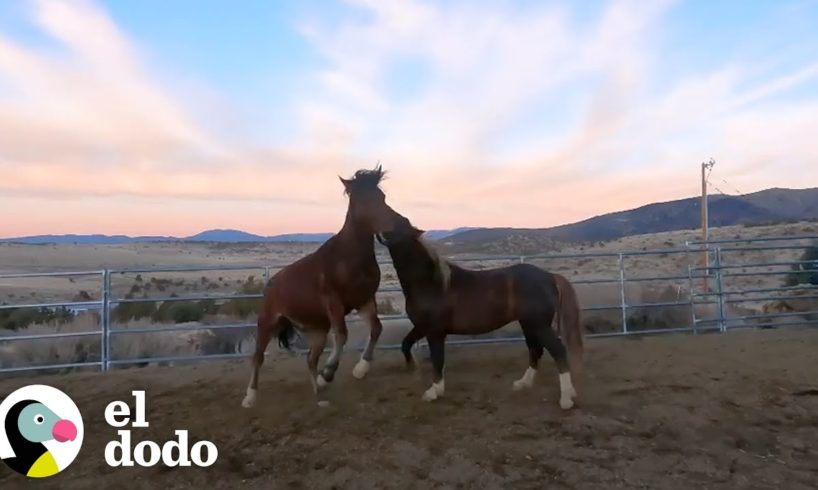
<point x="443" y="298"/>
<point x="317" y="291"/>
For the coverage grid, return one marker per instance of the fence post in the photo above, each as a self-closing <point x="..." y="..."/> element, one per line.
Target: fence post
<point x="522" y="259"/>
<point x="624" y="303"/>
<point x="719" y="291"/>
<point x="266" y="275"/>
<point x="106" y="318"/>
<point x="692" y="295"/>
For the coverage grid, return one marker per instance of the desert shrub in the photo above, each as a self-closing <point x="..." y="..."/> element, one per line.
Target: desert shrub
<point x="178" y="312"/>
<point x="227" y="341"/>
<point x="243" y="308"/>
<point x="54" y="351"/>
<point x="387" y="307"/>
<point x="186" y="312"/>
<point x="793" y="304"/>
<point x="17" y="318"/>
<point x="208" y="307"/>
<point x="133" y="311"/>
<point x="805" y="273"/>
<point x="154" y="344"/>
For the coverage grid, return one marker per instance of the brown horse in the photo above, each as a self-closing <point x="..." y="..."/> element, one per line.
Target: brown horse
<point x="443" y="298"/>
<point x="317" y="291"/>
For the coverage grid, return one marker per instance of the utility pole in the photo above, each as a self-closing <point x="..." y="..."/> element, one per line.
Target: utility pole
<point x="705" y="221"/>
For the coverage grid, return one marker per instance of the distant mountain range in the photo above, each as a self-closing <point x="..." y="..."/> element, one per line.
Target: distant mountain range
<point x="219" y="235"/>
<point x="767" y="206"/>
<point x="771" y="205"/>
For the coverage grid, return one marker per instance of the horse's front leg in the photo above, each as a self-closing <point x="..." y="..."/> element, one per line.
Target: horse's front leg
<point x="317" y="340"/>
<point x="406" y="347"/>
<point x="437" y="343"/>
<point x="338" y="327"/>
<point x="370" y="313"/>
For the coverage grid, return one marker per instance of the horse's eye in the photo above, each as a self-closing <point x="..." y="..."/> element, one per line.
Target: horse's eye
<point x="39" y="419"/>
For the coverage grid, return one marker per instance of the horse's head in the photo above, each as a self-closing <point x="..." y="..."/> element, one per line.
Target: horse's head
<point x="409" y="252"/>
<point x="367" y="204"/>
<point x="400" y="238"/>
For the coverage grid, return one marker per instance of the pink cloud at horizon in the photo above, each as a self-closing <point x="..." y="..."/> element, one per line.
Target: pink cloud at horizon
<point x="92" y="142"/>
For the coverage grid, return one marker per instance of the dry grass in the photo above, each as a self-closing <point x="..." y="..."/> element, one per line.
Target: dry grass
<point x="87" y="348"/>
<point x="207" y="341"/>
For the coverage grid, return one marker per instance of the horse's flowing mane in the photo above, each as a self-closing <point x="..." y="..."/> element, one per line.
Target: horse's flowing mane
<point x="365" y="180"/>
<point x="441" y="264"/>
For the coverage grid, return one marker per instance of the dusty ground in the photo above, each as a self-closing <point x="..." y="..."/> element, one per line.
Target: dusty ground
<point x="738" y="410"/>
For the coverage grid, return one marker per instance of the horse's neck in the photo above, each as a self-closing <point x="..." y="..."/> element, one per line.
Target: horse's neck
<point x="412" y="277"/>
<point x="355" y="240"/>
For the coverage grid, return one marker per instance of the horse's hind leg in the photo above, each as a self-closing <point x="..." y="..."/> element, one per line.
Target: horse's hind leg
<point x="437" y="348"/>
<point x="263" y="332"/>
<point x="556" y="348"/>
<point x="406" y="346"/>
<point x="370" y="312"/>
<point x="535" y="351"/>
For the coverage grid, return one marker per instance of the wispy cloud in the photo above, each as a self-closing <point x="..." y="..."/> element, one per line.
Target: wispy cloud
<point x="487" y="113"/>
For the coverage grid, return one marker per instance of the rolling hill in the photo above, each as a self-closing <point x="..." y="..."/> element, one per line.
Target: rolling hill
<point x="771" y="205"/>
<point x="216" y="235"/>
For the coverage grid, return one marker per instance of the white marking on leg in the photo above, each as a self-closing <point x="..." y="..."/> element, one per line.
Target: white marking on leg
<point x="361" y="369"/>
<point x="320" y="381"/>
<point x="567" y="391"/>
<point x="527" y="381"/>
<point x="435" y="391"/>
<point x="249" y="398"/>
<point x="323" y="403"/>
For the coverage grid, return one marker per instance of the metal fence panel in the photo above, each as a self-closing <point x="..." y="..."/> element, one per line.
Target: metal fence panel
<point x="715" y="294"/>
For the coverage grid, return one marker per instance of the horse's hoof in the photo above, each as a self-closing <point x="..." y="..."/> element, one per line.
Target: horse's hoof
<point x="566" y="403"/>
<point x="361" y="369"/>
<point x="520" y="385"/>
<point x="434" y="392"/>
<point x="323" y="403"/>
<point x="249" y="399"/>
<point x="320" y="381"/>
<point x="430" y="395"/>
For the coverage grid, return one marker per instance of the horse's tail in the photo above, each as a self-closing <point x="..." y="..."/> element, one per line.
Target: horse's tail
<point x="271" y="322"/>
<point x="569" y="325"/>
<point x="286" y="332"/>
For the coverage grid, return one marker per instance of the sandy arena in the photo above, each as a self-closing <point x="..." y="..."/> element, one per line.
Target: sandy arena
<point x="670" y="412"/>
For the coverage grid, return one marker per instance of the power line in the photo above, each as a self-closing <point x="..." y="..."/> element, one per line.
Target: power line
<point x="709" y="182"/>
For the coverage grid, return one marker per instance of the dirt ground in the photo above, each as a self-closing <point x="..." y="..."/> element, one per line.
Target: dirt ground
<point x="737" y="410"/>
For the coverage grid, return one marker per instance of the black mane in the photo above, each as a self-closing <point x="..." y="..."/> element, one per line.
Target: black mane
<point x="418" y="268"/>
<point x="365" y="180"/>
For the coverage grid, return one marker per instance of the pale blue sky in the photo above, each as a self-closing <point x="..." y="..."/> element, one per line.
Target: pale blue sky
<point x="525" y="113"/>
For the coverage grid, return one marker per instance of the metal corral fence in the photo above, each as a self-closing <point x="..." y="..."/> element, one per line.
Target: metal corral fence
<point x="744" y="284"/>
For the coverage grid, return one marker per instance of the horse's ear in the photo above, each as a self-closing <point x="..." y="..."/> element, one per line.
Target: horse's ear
<point x="347" y="184"/>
